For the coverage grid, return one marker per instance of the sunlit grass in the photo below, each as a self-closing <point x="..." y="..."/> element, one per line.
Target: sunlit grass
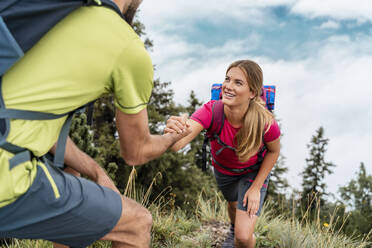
<point x="279" y="231"/>
<point x="172" y="227"/>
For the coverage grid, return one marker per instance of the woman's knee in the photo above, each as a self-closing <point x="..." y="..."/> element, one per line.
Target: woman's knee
<point x="243" y="240"/>
<point x="243" y="237"/>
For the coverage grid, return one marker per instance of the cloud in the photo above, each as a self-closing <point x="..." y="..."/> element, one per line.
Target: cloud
<point x="171" y="15"/>
<point x="338" y="9"/>
<point x="330" y="25"/>
<point x="164" y="14"/>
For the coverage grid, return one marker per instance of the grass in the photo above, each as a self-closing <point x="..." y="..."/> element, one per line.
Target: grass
<point x="172" y="227"/>
<point x="282" y="232"/>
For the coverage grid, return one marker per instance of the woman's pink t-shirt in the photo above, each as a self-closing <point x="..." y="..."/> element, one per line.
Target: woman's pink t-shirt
<point x="228" y="157"/>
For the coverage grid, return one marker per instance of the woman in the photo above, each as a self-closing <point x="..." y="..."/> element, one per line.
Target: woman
<point x="248" y="128"/>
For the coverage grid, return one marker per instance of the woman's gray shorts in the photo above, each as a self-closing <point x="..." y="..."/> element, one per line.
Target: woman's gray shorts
<point x="234" y="187"/>
<point x="83" y="213"/>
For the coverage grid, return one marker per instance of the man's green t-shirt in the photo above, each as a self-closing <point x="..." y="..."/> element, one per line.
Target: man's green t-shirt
<point x="91" y="52"/>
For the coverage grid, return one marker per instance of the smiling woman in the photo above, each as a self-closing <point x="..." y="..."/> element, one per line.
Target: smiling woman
<point x="244" y="106"/>
<point x="245" y="150"/>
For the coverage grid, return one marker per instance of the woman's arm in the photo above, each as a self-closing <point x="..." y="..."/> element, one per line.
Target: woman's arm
<point x="271" y="156"/>
<point x="177" y="124"/>
<point x="252" y="196"/>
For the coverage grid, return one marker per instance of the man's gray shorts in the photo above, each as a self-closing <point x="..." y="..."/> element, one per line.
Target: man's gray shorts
<point x="83" y="213"/>
<point x="234" y="187"/>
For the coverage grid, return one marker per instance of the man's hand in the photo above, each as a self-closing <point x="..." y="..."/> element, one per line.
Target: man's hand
<point x="178" y="124"/>
<point x="137" y="144"/>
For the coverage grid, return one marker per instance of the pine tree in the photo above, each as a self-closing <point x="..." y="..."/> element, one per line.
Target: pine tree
<point x="82" y="135"/>
<point x="278" y="183"/>
<point x="358" y="195"/>
<point x="195" y="151"/>
<point x="313" y="185"/>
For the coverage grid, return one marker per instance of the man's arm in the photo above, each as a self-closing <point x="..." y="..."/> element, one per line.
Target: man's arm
<point x="84" y="164"/>
<point x="137" y="145"/>
<point x="177" y="124"/>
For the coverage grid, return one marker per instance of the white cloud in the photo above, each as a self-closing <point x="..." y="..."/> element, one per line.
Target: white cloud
<point x="338" y="9"/>
<point x="169" y="14"/>
<point x="330" y="25"/>
<point x="329" y="89"/>
<point x="165" y="13"/>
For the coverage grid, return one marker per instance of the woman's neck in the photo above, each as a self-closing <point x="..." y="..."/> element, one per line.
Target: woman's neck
<point x="235" y="114"/>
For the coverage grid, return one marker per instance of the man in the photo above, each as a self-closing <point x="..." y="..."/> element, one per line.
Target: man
<point x="89" y="53"/>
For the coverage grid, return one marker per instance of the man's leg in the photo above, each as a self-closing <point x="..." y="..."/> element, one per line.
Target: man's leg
<point x="133" y="228"/>
<point x="244" y="228"/>
<point x="75" y="173"/>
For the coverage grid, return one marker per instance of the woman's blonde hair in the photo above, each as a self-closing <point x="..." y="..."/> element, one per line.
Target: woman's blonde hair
<point x="257" y="118"/>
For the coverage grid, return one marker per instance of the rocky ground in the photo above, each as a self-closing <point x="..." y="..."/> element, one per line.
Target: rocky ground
<point x="218" y="230"/>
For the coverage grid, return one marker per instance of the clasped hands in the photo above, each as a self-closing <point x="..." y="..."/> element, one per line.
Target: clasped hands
<point x="178" y="124"/>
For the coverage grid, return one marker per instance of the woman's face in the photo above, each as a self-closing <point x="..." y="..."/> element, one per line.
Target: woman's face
<point x="235" y="88"/>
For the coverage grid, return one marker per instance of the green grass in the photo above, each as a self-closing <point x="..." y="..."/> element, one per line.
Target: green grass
<point x="172" y="227"/>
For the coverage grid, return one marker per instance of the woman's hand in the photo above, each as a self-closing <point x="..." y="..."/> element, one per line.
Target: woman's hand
<point x="252" y="199"/>
<point x="177" y="124"/>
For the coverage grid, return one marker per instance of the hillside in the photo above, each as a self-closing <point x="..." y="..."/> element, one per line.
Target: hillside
<point x="208" y="226"/>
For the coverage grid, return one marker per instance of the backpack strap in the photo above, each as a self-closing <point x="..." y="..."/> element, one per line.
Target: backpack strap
<point x="216" y="126"/>
<point x="252" y="168"/>
<point x="214" y="129"/>
<point x="7" y="114"/>
<point x="217" y="121"/>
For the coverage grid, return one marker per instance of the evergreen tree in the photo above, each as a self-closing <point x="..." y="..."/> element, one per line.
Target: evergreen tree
<point x="106" y="138"/>
<point x="278" y="183"/>
<point x="358" y="195"/>
<point x="82" y="135"/>
<point x="195" y="150"/>
<point x="313" y="185"/>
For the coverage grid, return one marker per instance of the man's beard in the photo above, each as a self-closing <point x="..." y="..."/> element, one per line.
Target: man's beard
<point x="129" y="14"/>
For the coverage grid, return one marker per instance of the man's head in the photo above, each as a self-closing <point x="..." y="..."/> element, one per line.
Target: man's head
<point x="129" y="9"/>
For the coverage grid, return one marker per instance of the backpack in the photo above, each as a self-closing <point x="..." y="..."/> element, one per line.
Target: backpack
<point x="267" y="94"/>
<point x="217" y="122"/>
<point x="22" y="24"/>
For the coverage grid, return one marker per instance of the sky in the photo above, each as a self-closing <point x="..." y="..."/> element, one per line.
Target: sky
<point x="318" y="54"/>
